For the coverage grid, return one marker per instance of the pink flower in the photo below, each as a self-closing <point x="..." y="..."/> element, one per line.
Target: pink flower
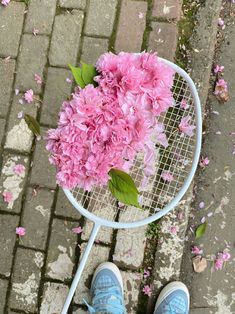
<point x="222" y="83"/>
<point x="147" y="290"/>
<point x="221" y="259"/>
<point x="220" y="22"/>
<point x="184" y="104"/>
<point x="167" y="176"/>
<point x="219" y="264"/>
<point x="196" y="250"/>
<point x="20" y="231"/>
<point x="28" y="96"/>
<point x="160" y="135"/>
<point x="77" y="230"/>
<point x="146" y="273"/>
<point x="218" y="69"/>
<point x="7" y="196"/>
<point x="221" y="90"/>
<point x="204" y="162"/>
<point x="185" y="127"/>
<point x="5" y="2"/>
<point x="173" y="230"/>
<point x="19" y="169"/>
<point x="201" y="205"/>
<point x="226" y="256"/>
<point x="180" y="216"/>
<point x="38" y="79"/>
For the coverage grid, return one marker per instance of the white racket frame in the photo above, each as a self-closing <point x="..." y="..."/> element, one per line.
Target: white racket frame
<point x="98" y="222"/>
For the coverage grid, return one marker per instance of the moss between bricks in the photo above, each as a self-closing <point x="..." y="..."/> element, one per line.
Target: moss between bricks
<point x="185" y="30"/>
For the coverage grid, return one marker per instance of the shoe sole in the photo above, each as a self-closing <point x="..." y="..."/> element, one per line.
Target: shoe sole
<point x="112" y="267"/>
<point x="168" y="289"/>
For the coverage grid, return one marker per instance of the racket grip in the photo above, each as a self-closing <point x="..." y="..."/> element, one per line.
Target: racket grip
<point x="80" y="268"/>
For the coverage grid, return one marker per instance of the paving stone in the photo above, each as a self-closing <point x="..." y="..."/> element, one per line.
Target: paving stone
<point x="40" y="16"/>
<point x="169" y="9"/>
<point x="3" y="289"/>
<point x="36" y="216"/>
<point x="130" y="243"/>
<point x="133" y="19"/>
<point x="163" y="39"/>
<point x="8" y="224"/>
<point x="131" y="285"/>
<point x="32" y="60"/>
<point x="10" y="28"/>
<point x="92" y="49"/>
<point x="75" y="4"/>
<point x="104" y="235"/>
<point x="12" y="182"/>
<point x="54" y="295"/>
<point x="65" y="38"/>
<point x="19" y="137"/>
<point x="7" y="75"/>
<point x="61" y="252"/>
<point x="100" y="205"/>
<point x="64" y="207"/>
<point x="26" y="279"/>
<point x="2" y="128"/>
<point x="100" y="18"/>
<point x="55" y="93"/>
<point x="43" y="173"/>
<point x="98" y="255"/>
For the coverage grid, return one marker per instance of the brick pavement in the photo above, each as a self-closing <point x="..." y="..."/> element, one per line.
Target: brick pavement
<point x="35" y="272"/>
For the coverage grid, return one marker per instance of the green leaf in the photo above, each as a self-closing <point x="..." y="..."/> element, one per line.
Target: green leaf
<point x="32" y="124"/>
<point x="201" y="230"/>
<point x="88" y="73"/>
<point x="77" y="74"/>
<point x="123" y="187"/>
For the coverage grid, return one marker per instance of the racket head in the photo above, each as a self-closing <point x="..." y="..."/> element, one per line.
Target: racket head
<point x="180" y="158"/>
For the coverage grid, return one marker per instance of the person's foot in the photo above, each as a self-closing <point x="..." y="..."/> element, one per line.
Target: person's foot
<point x="173" y="299"/>
<point x="107" y="290"/>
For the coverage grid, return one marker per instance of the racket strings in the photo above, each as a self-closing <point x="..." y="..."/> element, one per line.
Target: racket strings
<point x="175" y="159"/>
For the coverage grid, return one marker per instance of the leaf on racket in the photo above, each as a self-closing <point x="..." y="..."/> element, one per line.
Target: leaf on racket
<point x="77" y="74"/>
<point x="200" y="231"/>
<point x="33" y="124"/>
<point x="123" y="187"/>
<point x="84" y="75"/>
<point x="88" y="73"/>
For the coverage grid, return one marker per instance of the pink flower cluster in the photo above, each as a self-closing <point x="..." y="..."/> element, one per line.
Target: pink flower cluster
<point x="221" y="259"/>
<point x="221" y="87"/>
<point x="104" y="127"/>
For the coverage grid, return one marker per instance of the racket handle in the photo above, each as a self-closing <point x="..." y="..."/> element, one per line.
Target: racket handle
<point x="80" y="268"/>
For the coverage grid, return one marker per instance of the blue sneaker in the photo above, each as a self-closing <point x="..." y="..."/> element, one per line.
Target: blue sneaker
<point x="107" y="290"/>
<point x="173" y="299"/>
